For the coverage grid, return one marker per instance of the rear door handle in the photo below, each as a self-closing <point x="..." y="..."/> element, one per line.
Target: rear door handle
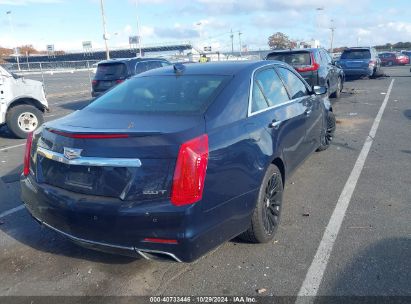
<point x="275" y="124"/>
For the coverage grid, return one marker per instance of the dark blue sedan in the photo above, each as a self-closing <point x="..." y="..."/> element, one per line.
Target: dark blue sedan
<point x="178" y="160"/>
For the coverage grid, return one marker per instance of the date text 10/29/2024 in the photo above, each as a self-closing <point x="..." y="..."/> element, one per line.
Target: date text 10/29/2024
<point x="203" y="299"/>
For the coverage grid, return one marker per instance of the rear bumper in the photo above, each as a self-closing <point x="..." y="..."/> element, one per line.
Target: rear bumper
<point x="115" y="249"/>
<point x="358" y="72"/>
<point x="96" y="94"/>
<point x="120" y="227"/>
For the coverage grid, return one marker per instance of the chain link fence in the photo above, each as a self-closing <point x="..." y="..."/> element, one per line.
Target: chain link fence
<point x="65" y="66"/>
<point x="64" y="78"/>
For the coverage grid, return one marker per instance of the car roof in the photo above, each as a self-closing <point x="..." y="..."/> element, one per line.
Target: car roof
<point x="358" y="48"/>
<point x="127" y="60"/>
<point x="294" y="50"/>
<point x="213" y="68"/>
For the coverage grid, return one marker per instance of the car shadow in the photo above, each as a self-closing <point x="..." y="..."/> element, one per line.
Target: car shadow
<point x="407" y="113"/>
<point x="75" y="105"/>
<point x="381" y="269"/>
<point x="26" y="230"/>
<point x="5" y="133"/>
<point x="12" y="176"/>
<point x="352" y="78"/>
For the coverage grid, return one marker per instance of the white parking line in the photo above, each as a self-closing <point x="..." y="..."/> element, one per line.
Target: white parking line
<point x="11" y="211"/>
<point x="312" y="281"/>
<point x="11" y="147"/>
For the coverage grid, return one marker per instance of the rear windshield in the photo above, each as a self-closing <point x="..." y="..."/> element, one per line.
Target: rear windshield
<point x="177" y="94"/>
<point x="297" y="58"/>
<point x="356" y="54"/>
<point x="111" y="71"/>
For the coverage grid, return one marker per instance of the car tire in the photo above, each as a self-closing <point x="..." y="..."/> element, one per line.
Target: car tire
<point x="337" y="93"/>
<point x="327" y="135"/>
<point x="23" y="119"/>
<point x="267" y="212"/>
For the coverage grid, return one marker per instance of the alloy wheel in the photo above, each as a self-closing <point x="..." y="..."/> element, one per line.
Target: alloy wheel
<point x="329" y="132"/>
<point x="272" y="203"/>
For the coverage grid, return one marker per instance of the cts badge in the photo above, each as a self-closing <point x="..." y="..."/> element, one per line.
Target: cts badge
<point x="72" y="153"/>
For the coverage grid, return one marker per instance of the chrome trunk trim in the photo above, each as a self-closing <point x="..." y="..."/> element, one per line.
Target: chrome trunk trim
<point x="90" y="161"/>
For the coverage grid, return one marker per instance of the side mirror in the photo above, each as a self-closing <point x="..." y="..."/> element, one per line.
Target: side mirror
<point x="335" y="62"/>
<point x="319" y="90"/>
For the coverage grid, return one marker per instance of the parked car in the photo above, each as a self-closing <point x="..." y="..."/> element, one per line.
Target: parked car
<point x="407" y="53"/>
<point x="390" y="59"/>
<point x="360" y="61"/>
<point x="22" y="103"/>
<point x="177" y="160"/>
<point x="315" y="65"/>
<point x="109" y="73"/>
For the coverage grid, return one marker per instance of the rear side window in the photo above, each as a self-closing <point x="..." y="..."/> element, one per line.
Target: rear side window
<point x="268" y="90"/>
<point x="148" y="65"/>
<point x="111" y="71"/>
<point x="171" y="94"/>
<point x="356" y="54"/>
<point x="294" y="84"/>
<point x="326" y="56"/>
<point x="296" y="58"/>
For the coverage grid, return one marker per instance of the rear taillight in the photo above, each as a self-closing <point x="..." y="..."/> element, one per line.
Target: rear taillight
<point x="309" y="68"/>
<point x="27" y="153"/>
<point x="119" y="81"/>
<point x="190" y="171"/>
<point x="94" y="82"/>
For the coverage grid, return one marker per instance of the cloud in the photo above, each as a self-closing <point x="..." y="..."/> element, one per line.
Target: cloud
<point x="245" y="7"/>
<point x="128" y="29"/>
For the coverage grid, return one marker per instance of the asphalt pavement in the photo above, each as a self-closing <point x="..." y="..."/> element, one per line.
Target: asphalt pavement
<point x="370" y="255"/>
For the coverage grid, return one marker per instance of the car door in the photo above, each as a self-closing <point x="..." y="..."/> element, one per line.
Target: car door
<point x="298" y="90"/>
<point x="282" y="118"/>
<point x="332" y="71"/>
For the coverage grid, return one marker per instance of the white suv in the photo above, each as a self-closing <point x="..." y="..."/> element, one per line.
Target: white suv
<point x="22" y="103"/>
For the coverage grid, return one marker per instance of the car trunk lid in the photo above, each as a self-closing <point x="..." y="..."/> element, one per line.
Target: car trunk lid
<point x="131" y="157"/>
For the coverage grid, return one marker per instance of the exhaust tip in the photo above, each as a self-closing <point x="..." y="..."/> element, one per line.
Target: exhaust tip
<point x="160" y="256"/>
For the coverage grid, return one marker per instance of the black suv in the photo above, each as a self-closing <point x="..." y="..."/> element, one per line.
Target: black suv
<point x="315" y="65"/>
<point x="112" y="72"/>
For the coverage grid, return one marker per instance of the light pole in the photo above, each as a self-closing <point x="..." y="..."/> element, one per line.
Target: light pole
<point x="239" y="38"/>
<point x="138" y="29"/>
<point x="12" y="33"/>
<point x="105" y="37"/>
<point x="317" y="16"/>
<point x="232" y="42"/>
<point x="332" y="28"/>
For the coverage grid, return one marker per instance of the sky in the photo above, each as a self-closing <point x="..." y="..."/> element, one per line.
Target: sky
<point x="67" y="23"/>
